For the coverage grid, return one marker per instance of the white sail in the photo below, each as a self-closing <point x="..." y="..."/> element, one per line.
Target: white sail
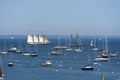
<point x="91" y="43"/>
<point x="37" y="39"/>
<point x="41" y="40"/>
<point x="46" y="40"/>
<point x="30" y="39"/>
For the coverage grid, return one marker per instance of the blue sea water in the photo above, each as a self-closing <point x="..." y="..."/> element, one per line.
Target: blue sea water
<point x="64" y="67"/>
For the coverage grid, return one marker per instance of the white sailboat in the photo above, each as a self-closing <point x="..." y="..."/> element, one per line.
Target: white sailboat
<point x="93" y="45"/>
<point x="57" y="52"/>
<point x="79" y="44"/>
<point x="27" y="52"/>
<point x="65" y="46"/>
<point x="69" y="46"/>
<point x="101" y="59"/>
<point x="37" y="39"/>
<point x="3" y="51"/>
<point x="46" y="63"/>
<point x="104" y="53"/>
<point x="33" y="54"/>
<point x="89" y="66"/>
<point x="57" y="49"/>
<point x="30" y="39"/>
<point x="12" y="49"/>
<point x="113" y="54"/>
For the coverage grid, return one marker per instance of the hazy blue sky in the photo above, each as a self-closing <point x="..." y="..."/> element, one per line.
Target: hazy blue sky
<point x="60" y="17"/>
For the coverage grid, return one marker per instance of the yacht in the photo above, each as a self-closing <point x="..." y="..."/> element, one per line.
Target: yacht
<point x="13" y="49"/>
<point x="3" y="52"/>
<point x="101" y="59"/>
<point x="113" y="54"/>
<point x="46" y="63"/>
<point x="33" y="55"/>
<point x="69" y="49"/>
<point x="10" y="64"/>
<point x="78" y="50"/>
<point x="56" y="53"/>
<point x="87" y="67"/>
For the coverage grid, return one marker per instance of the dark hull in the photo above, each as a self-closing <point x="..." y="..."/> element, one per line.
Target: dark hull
<point x="33" y="55"/>
<point x="86" y="68"/>
<point x="11" y="65"/>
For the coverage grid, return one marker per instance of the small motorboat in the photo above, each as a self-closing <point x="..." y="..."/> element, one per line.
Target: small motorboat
<point x="87" y="67"/>
<point x="33" y="55"/>
<point x="46" y="63"/>
<point x="113" y="54"/>
<point x="101" y="59"/>
<point x="13" y="49"/>
<point x="10" y="64"/>
<point x="56" y="53"/>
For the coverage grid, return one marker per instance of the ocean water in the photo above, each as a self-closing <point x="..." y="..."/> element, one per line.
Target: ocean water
<point x="66" y="66"/>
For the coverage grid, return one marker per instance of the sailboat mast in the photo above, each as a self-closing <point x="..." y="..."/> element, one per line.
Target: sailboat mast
<point x="43" y="38"/>
<point x="106" y="47"/>
<point x="71" y="40"/>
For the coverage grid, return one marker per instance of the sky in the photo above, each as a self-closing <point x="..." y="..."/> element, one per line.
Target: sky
<point x="60" y="17"/>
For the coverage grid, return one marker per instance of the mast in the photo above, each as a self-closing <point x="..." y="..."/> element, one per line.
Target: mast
<point x="35" y="38"/>
<point x="71" y="40"/>
<point x="78" y="41"/>
<point x="91" y="43"/>
<point x="44" y="39"/>
<point x="106" y="47"/>
<point x="30" y="39"/>
<point x="77" y="38"/>
<point x="38" y="38"/>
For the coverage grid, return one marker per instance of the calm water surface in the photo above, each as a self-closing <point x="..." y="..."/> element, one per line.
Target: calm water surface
<point x="64" y="67"/>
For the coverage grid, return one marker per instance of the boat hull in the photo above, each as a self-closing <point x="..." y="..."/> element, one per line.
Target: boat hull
<point x="87" y="68"/>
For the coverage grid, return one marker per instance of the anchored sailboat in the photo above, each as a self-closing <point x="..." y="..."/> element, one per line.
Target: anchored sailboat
<point x="57" y="49"/>
<point x="79" y="44"/>
<point x="47" y="63"/>
<point x="37" y="39"/>
<point x="3" y="51"/>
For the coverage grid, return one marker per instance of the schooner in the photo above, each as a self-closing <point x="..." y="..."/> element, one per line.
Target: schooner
<point x="37" y="39"/>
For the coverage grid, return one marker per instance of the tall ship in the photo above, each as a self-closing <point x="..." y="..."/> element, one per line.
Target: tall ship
<point x="37" y="39"/>
<point x="76" y="42"/>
